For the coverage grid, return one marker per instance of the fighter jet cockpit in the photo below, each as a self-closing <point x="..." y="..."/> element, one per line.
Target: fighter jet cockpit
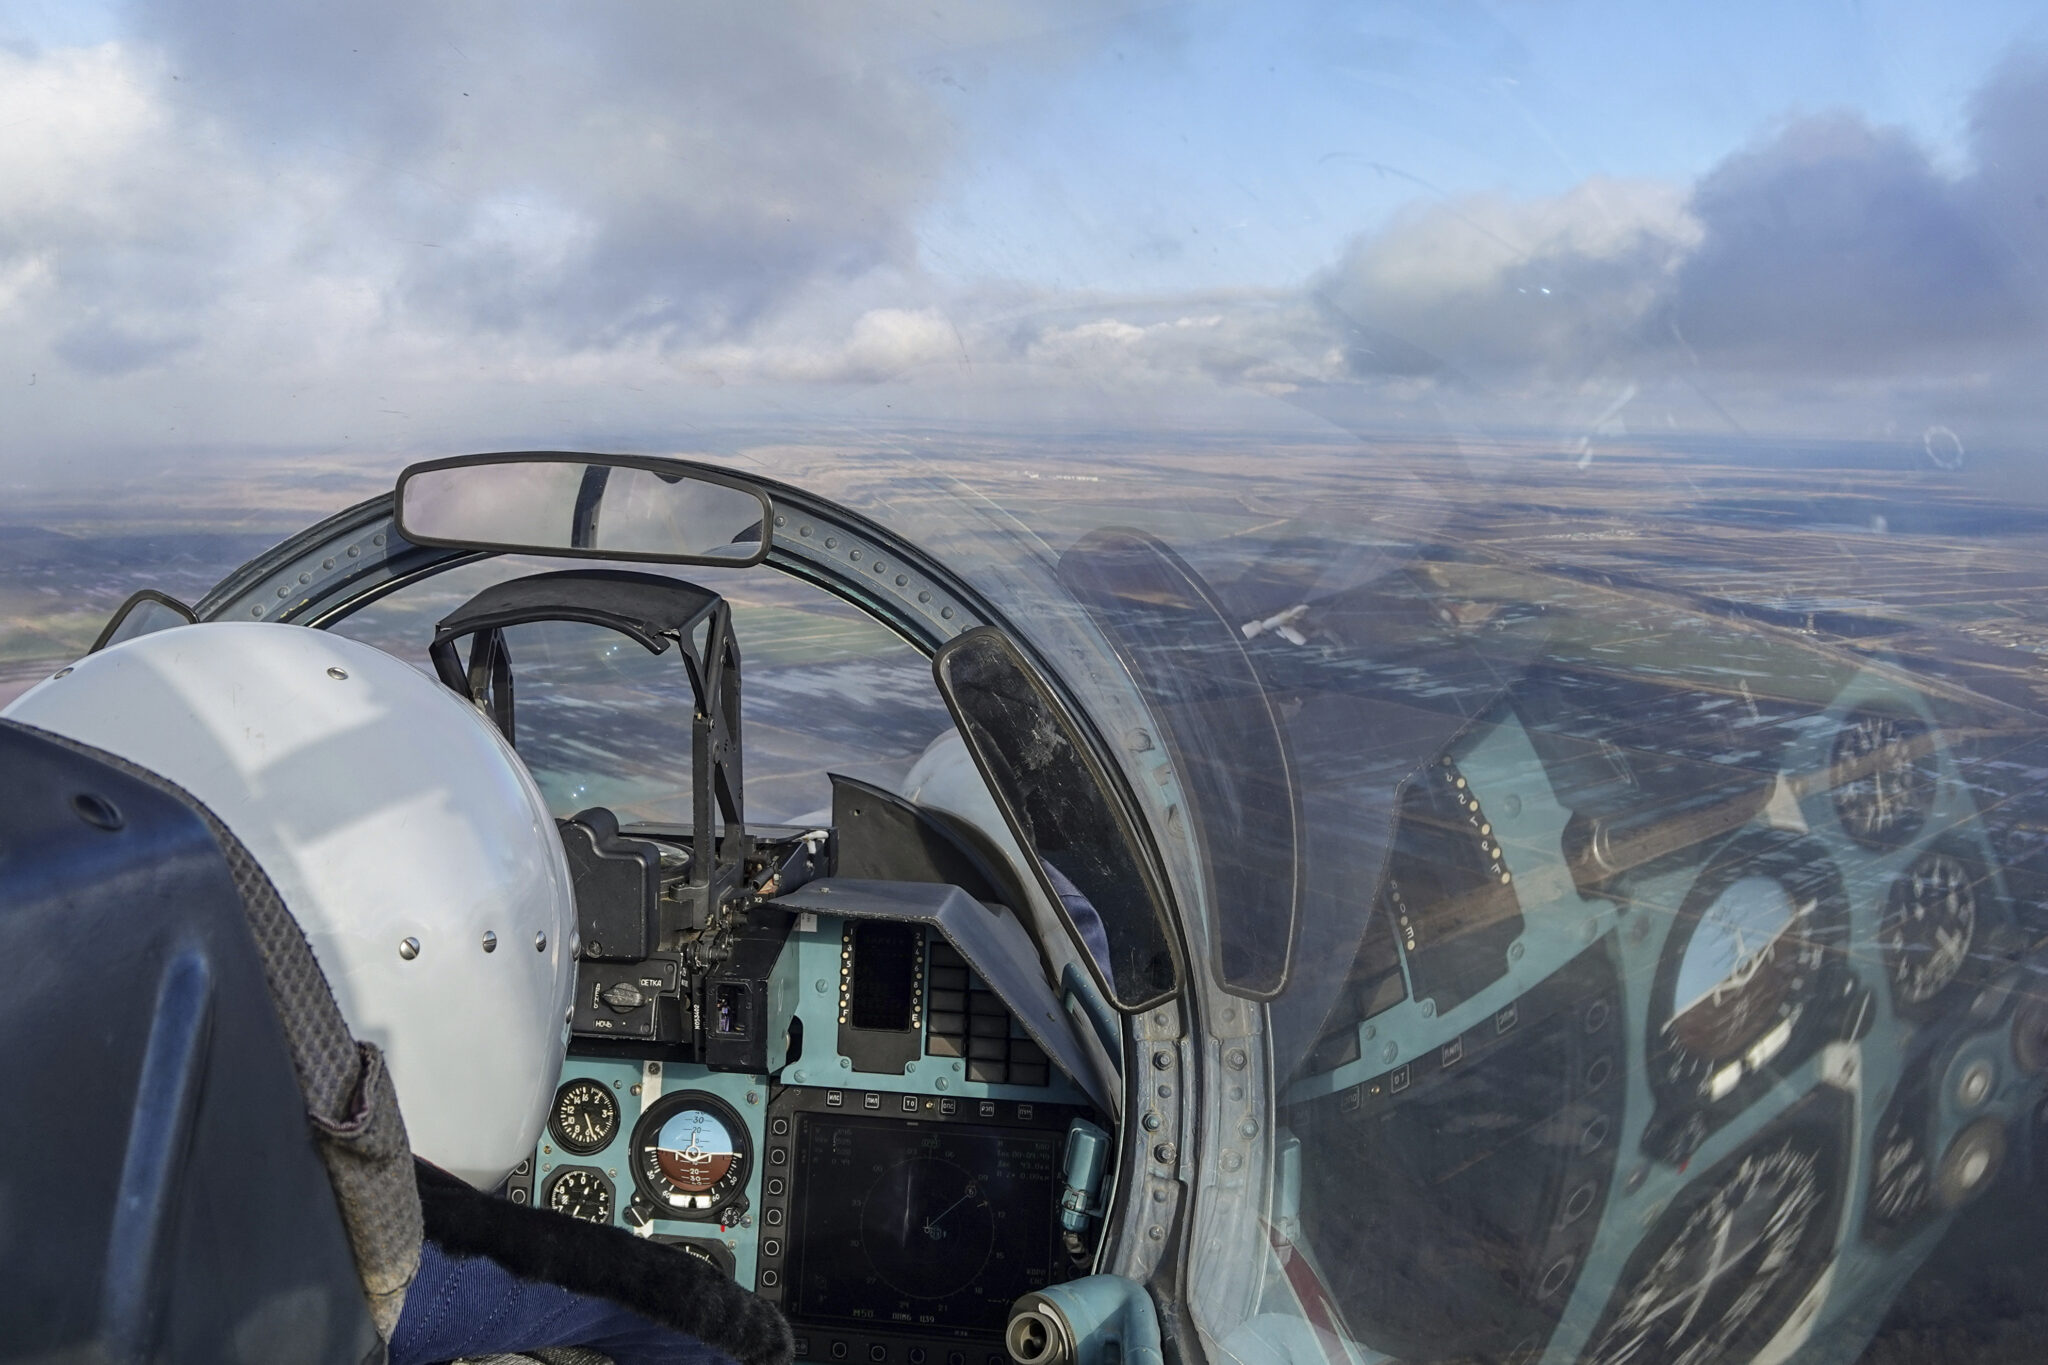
<point x="865" y="1059"/>
<point x="1183" y="933"/>
<point x="859" y="1058"/>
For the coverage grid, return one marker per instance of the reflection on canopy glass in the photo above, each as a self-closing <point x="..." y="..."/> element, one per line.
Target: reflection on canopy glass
<point x="1039" y="767"/>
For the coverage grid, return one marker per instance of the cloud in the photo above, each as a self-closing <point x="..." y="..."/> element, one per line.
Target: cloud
<point x="307" y="222"/>
<point x="102" y="347"/>
<point x="113" y="234"/>
<point x="1831" y="265"/>
<point x="1484" y="285"/>
<point x="2009" y="141"/>
<point x="1830" y="252"/>
<point x="881" y="344"/>
<point x="424" y="227"/>
<point x="1837" y="248"/>
<point x="1271" y="341"/>
<point x="670" y="174"/>
<point x="674" y="171"/>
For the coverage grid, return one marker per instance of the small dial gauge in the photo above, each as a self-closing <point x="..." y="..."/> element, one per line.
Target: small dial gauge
<point x="1883" y="775"/>
<point x="927" y="1227"/>
<point x="690" y="1155"/>
<point x="1720" y="1274"/>
<point x="585" y="1117"/>
<point x="1929" y="923"/>
<point x="1743" y="970"/>
<point x="580" y="1192"/>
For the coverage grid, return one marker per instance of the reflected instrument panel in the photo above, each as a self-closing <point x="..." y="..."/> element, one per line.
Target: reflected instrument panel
<point x="1883" y="778"/>
<point x="1790" y="919"/>
<point x="1930" y="925"/>
<point x="1491" y="1154"/>
<point x="1448" y="889"/>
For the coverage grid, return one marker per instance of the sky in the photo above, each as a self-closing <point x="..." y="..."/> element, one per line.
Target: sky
<point x="406" y="229"/>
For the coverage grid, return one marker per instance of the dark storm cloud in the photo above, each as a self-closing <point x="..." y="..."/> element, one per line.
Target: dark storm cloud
<point x="1836" y="246"/>
<point x="2009" y="137"/>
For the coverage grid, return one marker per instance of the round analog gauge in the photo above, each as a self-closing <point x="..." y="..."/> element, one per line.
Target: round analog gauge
<point x="927" y="1227"/>
<point x="1883" y="776"/>
<point x="579" y="1192"/>
<point x="1743" y="966"/>
<point x="1723" y="1271"/>
<point x="690" y="1155"/>
<point x="585" y="1117"/>
<point x="1929" y="922"/>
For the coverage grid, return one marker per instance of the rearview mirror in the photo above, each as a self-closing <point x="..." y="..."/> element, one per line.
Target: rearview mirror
<point x="591" y="506"/>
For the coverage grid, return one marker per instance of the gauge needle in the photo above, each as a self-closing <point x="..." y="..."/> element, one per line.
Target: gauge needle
<point x="1721" y="1259"/>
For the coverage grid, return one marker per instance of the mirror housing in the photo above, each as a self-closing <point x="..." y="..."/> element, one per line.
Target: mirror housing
<point x="547" y="502"/>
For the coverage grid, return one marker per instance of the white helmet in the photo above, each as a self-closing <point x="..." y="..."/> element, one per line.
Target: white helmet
<point x="401" y="831"/>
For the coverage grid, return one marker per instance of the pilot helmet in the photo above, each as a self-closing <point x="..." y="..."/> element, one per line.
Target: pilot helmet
<point x="402" y="833"/>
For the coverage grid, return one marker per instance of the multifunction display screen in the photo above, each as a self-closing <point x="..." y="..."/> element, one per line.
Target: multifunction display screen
<point x="907" y="1226"/>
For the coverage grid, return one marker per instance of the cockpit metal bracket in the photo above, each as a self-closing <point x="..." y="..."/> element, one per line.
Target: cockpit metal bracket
<point x="1146" y="1207"/>
<point x="656" y="612"/>
<point x="995" y="946"/>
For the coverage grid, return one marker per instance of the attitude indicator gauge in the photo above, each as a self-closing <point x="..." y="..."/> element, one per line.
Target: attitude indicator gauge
<point x="585" y="1117"/>
<point x="581" y="1192"/>
<point x="1752" y="958"/>
<point x="691" y="1156"/>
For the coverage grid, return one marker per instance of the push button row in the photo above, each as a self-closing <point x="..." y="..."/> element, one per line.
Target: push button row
<point x="878" y="1353"/>
<point x="836" y="1099"/>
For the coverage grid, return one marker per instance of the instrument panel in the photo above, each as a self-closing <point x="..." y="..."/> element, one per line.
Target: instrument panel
<point x="895" y="1187"/>
<point x="584" y="1117"/>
